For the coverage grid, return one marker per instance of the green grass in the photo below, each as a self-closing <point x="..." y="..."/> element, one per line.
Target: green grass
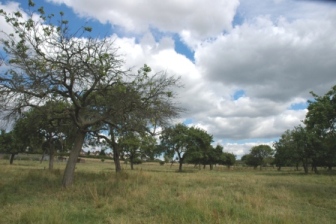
<point x="151" y="193"/>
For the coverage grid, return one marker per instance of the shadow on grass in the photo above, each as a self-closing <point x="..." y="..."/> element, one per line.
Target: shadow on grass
<point x="295" y="173"/>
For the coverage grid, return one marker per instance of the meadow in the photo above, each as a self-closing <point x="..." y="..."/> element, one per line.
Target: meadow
<point x="151" y="193"/>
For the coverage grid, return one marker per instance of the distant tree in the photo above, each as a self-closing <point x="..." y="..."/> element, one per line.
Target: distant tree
<point x="200" y="147"/>
<point x="7" y="145"/>
<point x="228" y="159"/>
<point x="45" y="128"/>
<point x="131" y="146"/>
<point x="186" y="142"/>
<point x="257" y="156"/>
<point x="175" y="140"/>
<point x="303" y="146"/>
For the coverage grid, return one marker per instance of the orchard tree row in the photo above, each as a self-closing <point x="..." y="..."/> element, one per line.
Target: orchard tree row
<point x="312" y="144"/>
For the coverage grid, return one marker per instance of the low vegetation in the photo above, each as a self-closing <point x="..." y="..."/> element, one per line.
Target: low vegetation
<point x="154" y="193"/>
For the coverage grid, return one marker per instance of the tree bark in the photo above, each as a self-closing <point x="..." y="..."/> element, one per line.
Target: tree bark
<point x="180" y="166"/>
<point x="116" y="157"/>
<point x="12" y="158"/>
<point x="131" y="161"/>
<point x="69" y="171"/>
<point x="51" y="157"/>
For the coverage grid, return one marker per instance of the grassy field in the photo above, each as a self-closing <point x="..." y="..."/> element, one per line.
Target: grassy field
<point x="151" y="193"/>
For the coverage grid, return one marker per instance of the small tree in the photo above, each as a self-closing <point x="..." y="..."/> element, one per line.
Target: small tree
<point x="257" y="156"/>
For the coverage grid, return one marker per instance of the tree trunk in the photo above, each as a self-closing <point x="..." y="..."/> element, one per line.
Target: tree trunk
<point x="211" y="166"/>
<point x="131" y="161"/>
<point x="12" y="158"/>
<point x="44" y="151"/>
<point x="305" y="167"/>
<point x="180" y="166"/>
<point x="116" y="157"/>
<point x="51" y="157"/>
<point x="69" y="171"/>
<point x="315" y="169"/>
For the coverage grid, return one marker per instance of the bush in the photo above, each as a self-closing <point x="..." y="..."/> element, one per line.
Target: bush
<point x="162" y="163"/>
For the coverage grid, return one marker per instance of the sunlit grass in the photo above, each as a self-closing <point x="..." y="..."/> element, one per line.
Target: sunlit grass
<point x="151" y="193"/>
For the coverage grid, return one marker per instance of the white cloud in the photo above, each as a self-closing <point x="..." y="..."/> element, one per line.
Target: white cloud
<point x="270" y="60"/>
<point x="281" y="50"/>
<point x="200" y="18"/>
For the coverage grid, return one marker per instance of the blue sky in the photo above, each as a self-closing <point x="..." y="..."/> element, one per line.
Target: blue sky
<point x="247" y="66"/>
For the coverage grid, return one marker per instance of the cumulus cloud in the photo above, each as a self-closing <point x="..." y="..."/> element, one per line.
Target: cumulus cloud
<point x="270" y="60"/>
<point x="198" y="18"/>
<point x="272" y="52"/>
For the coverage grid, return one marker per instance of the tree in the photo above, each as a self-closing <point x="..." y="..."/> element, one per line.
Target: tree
<point x="45" y="128"/>
<point x="285" y="153"/>
<point x="257" y="156"/>
<point x="7" y="144"/>
<point x="145" y="104"/>
<point x="131" y="146"/>
<point x="228" y="159"/>
<point x="321" y="120"/>
<point x="175" y="140"/>
<point x="185" y="142"/>
<point x="48" y="61"/>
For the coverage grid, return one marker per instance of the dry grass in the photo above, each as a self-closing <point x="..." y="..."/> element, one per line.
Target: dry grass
<point x="158" y="194"/>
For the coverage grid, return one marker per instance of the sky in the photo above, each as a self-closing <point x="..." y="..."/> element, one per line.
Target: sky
<point x="247" y="66"/>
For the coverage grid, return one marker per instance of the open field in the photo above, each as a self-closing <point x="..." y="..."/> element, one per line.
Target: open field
<point x="29" y="193"/>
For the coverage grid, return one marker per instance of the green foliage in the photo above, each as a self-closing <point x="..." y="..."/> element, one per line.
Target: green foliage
<point x="258" y="156"/>
<point x="189" y="143"/>
<point x="313" y="145"/>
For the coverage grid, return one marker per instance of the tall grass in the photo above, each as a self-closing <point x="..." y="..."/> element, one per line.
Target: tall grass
<point x="151" y="193"/>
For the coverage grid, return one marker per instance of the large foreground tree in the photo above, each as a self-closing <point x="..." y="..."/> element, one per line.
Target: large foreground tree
<point x="46" y="61"/>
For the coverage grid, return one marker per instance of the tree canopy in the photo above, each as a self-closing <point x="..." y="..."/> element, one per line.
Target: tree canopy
<point x="47" y="61"/>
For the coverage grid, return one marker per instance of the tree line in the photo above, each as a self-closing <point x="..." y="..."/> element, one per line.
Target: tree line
<point x="313" y="143"/>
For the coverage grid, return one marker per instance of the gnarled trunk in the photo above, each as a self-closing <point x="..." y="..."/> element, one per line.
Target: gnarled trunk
<point x="69" y="172"/>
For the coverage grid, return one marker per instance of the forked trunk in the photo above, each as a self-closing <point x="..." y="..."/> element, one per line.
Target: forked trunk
<point x="69" y="171"/>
